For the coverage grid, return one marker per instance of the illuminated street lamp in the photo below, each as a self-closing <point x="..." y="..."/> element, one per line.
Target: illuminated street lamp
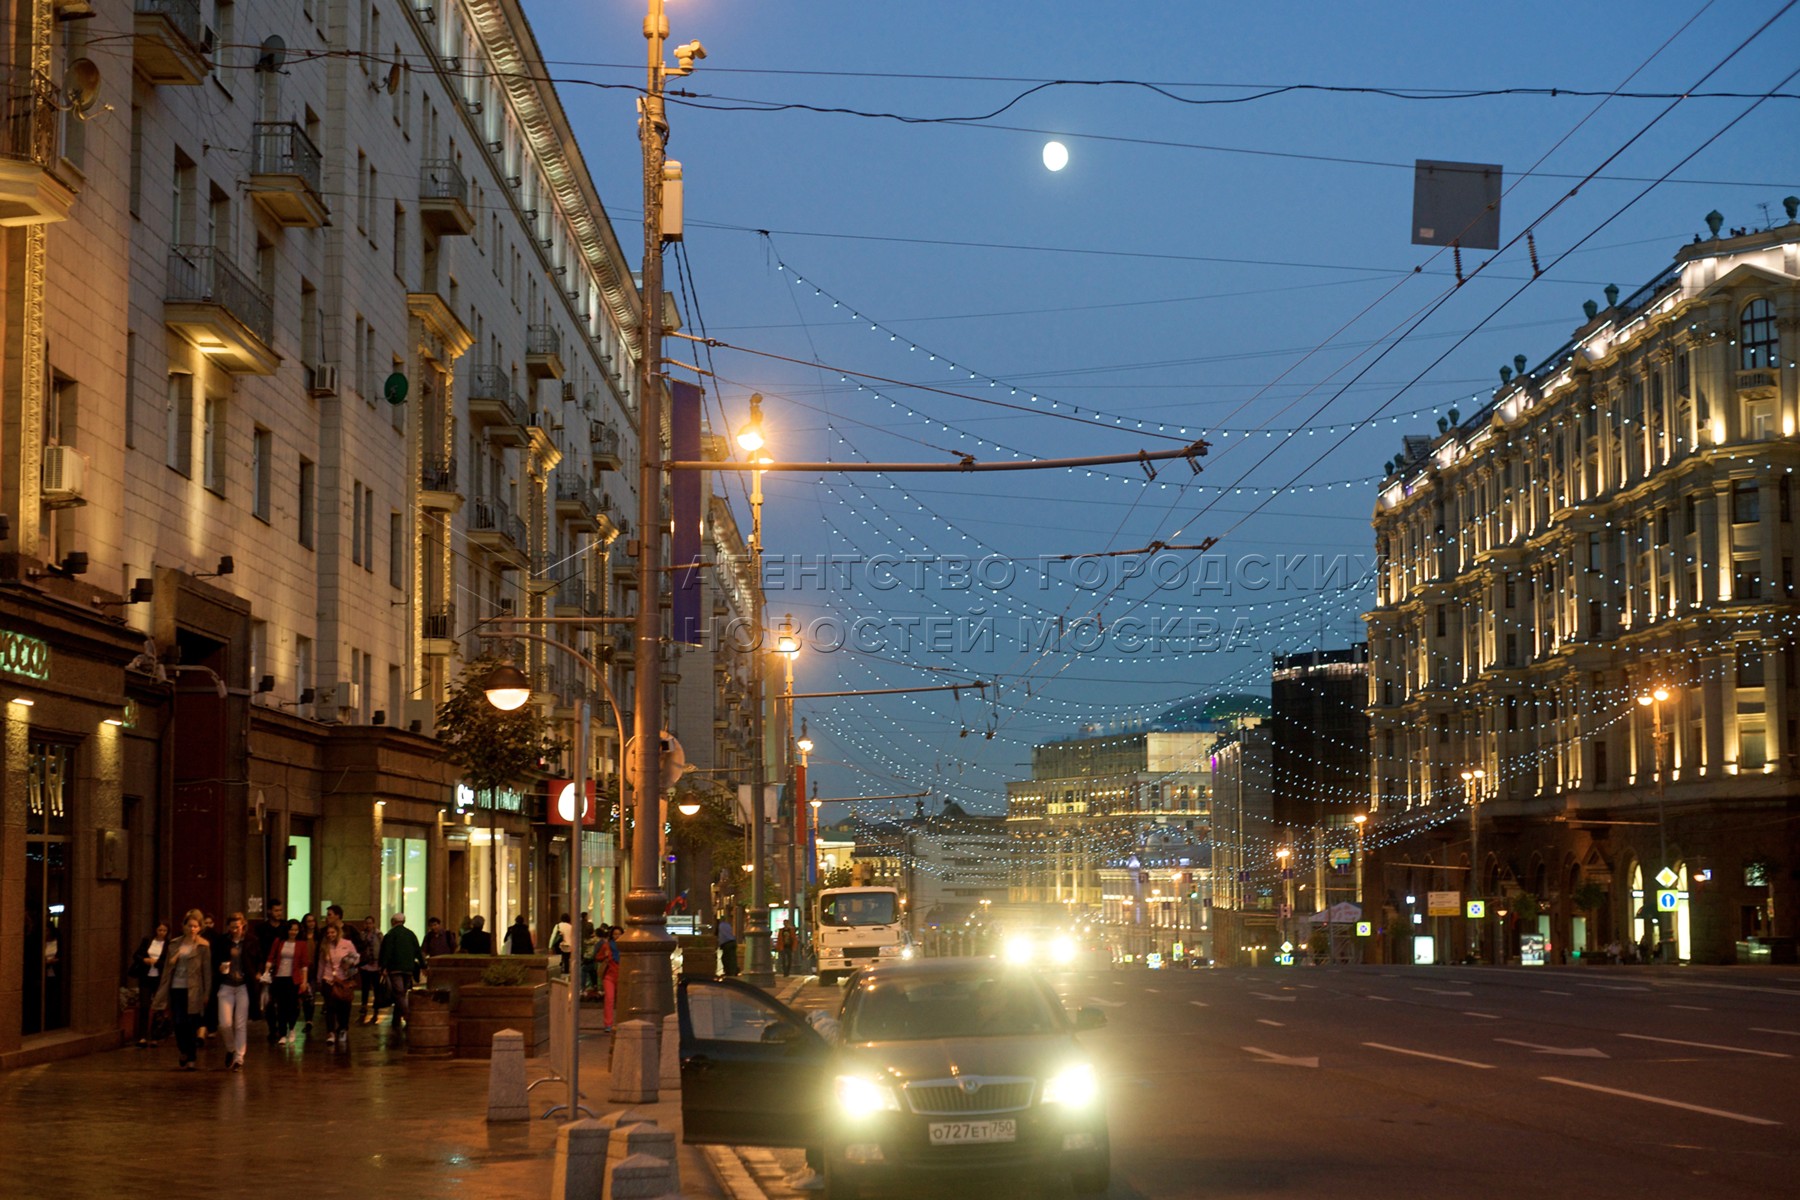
<point x="1282" y="854"/>
<point x="1361" y="820"/>
<point x="1472" y="785"/>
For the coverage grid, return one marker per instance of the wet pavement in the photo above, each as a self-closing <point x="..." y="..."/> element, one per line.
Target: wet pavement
<point x="303" y="1119"/>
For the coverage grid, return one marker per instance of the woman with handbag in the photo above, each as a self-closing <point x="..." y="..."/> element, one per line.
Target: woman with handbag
<point x="337" y="974"/>
<point x="186" y="985"/>
<point x="310" y="933"/>
<point x="146" y="968"/>
<point x="289" y="964"/>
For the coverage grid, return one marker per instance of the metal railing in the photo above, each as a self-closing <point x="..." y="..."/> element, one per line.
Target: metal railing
<point x="572" y="488"/>
<point x="494" y="516"/>
<point x="440" y="622"/>
<point x="442" y="179"/>
<point x="184" y="15"/>
<point x="33" y="124"/>
<point x="604" y="437"/>
<point x="493" y="385"/>
<point x="202" y="275"/>
<point x="574" y="593"/>
<point x="282" y="148"/>
<point x="438" y="474"/>
<point x="543" y="339"/>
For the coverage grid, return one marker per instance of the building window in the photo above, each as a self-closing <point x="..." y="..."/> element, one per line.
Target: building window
<point x="213" y="446"/>
<point x="1753" y="749"/>
<point x="307" y="498"/>
<point x="396" y="549"/>
<point x="1746" y="577"/>
<point x="261" y="447"/>
<point x="179" y="424"/>
<point x="1749" y="665"/>
<point x="1600" y="761"/>
<point x="1760" y="343"/>
<point x="130" y="390"/>
<point x="303" y="665"/>
<point x="1746" y="508"/>
<point x="356" y="523"/>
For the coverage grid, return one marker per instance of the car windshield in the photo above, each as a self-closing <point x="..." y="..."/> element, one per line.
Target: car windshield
<point x="867" y="908"/>
<point x="911" y="1010"/>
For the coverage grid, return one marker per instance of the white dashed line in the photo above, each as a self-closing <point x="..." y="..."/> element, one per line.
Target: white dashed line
<point x="1461" y="1062"/>
<point x="1644" y="1037"/>
<point x="1711" y="1112"/>
<point x="1266" y="1021"/>
<point x="1483" y="1016"/>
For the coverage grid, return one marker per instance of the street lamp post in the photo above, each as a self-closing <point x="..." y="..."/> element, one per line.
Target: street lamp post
<point x="1283" y="855"/>
<point x="799" y="874"/>
<point x="1654" y="700"/>
<point x="1472" y="785"/>
<point x="750" y="439"/>
<point x="1361" y="820"/>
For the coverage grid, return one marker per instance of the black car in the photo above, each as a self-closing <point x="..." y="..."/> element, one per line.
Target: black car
<point x="945" y="1069"/>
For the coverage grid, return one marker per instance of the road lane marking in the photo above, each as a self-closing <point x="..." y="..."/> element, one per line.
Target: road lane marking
<point x="1096" y="999"/>
<point x="1711" y="1112"/>
<point x="1483" y="1016"/>
<point x="1152" y="991"/>
<point x="1584" y="1052"/>
<point x="1278" y="999"/>
<point x="1549" y="992"/>
<point x="1461" y="1062"/>
<point x="1266" y="1021"/>
<point x="1383" y="999"/>
<point x="1442" y="992"/>
<point x="1309" y="986"/>
<point x="1281" y="1060"/>
<point x="1195" y="1003"/>
<point x="1782" y="1032"/>
<point x="1644" y="1037"/>
<point x="1614" y="987"/>
<point x="1691" y="1007"/>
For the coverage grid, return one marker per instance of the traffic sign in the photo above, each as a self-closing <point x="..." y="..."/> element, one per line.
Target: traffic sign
<point x="1476" y="909"/>
<point x="1665" y="901"/>
<point x="1287" y="947"/>
<point x="1442" y="904"/>
<point x="1666" y="877"/>
<point x="1365" y="928"/>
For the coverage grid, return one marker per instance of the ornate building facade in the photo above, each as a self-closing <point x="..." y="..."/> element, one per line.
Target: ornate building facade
<point x="1583" y="664"/>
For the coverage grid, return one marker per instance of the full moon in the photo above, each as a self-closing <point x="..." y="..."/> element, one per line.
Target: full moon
<point x="1056" y="156"/>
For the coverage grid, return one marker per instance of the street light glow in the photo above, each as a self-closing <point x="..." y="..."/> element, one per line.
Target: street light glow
<point x="507" y="688"/>
<point x="787" y="641"/>
<point x="750" y="438"/>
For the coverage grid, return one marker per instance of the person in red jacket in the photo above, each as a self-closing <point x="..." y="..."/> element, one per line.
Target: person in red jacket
<point x="606" y="963"/>
<point x="288" y="971"/>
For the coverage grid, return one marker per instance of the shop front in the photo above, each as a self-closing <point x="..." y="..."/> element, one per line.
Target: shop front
<point x="489" y="859"/>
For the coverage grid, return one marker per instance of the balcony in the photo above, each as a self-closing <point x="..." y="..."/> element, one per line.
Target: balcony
<point x="604" y="438"/>
<point x="543" y="352"/>
<point x="30" y="192"/>
<point x="576" y="502"/>
<point x="493" y="404"/>
<point x="440" y="629"/>
<point x="167" y="45"/>
<point x="575" y="599"/>
<point x="494" y="528"/>
<point x="221" y="310"/>
<point x="1759" y="383"/>
<point x="444" y="199"/>
<point x="284" y="176"/>
<point x="437" y="484"/>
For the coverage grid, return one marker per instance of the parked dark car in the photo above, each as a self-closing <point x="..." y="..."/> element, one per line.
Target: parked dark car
<point x="944" y="1070"/>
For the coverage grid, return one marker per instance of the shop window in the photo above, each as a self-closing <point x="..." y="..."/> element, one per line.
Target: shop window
<point x="49" y="824"/>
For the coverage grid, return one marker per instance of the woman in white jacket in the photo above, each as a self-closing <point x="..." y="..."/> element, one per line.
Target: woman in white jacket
<point x="336" y="966"/>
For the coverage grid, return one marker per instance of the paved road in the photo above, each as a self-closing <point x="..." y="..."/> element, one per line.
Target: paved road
<point x="1447" y="1082"/>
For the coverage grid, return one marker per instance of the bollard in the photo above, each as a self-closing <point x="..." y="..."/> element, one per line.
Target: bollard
<point x="635" y="1065"/>
<point x="643" y="1163"/>
<point x="581" y="1148"/>
<point x="671" y="1053"/>
<point x="506" y="1078"/>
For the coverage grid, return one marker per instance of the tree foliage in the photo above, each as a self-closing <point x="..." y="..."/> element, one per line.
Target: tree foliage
<point x="492" y="748"/>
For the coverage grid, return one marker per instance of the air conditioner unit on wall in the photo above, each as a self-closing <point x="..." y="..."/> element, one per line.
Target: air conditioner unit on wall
<point x="65" y="474"/>
<point x="348" y="694"/>
<point x="324" y="380"/>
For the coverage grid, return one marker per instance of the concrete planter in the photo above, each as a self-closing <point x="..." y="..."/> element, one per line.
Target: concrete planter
<point x="478" y="1012"/>
<point x="428" y="1029"/>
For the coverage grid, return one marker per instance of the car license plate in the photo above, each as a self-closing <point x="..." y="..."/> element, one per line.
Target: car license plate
<point x="946" y="1133"/>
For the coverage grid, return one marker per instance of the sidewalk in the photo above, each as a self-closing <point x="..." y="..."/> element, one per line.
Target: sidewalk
<point x="372" y="1121"/>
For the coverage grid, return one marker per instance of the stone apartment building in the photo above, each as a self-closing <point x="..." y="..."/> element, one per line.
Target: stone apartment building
<point x="1582" y="659"/>
<point x="317" y="351"/>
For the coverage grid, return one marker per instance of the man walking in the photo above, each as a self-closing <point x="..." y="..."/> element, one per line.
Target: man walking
<point x="272" y="930"/>
<point x="478" y="940"/>
<point x="728" y="963"/>
<point x="235" y="961"/>
<point x="401" y="961"/>
<point x="784" y="949"/>
<point x="438" y="940"/>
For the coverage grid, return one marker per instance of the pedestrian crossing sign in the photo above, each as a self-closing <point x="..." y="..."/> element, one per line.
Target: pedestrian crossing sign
<point x="1365" y="928"/>
<point x="1477" y="909"/>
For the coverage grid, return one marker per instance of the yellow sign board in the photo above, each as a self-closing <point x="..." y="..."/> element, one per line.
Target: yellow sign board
<point x="1477" y="909"/>
<point x="1365" y="928"/>
<point x="1443" y="904"/>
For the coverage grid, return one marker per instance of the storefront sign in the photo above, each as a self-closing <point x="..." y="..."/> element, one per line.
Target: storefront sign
<point x="504" y="799"/>
<point x="24" y="656"/>
<point x="561" y="809"/>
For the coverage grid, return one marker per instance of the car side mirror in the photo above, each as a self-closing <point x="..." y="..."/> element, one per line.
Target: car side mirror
<point x="1089" y="1018"/>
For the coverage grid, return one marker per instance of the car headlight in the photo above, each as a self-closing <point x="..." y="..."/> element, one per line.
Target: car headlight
<point x="1020" y="949"/>
<point x="1062" y="950"/>
<point x="1074" y="1085"/>
<point x="859" y="1097"/>
<point x="906" y="952"/>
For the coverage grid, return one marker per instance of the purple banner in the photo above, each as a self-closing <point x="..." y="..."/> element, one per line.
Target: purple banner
<point x="685" y="501"/>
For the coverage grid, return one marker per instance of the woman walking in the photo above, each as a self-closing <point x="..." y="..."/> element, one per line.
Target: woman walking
<point x="186" y="985"/>
<point x="146" y="968"/>
<point x="235" y="968"/>
<point x="369" y="971"/>
<point x="289" y="964"/>
<point x="309" y="933"/>
<point x="336" y="970"/>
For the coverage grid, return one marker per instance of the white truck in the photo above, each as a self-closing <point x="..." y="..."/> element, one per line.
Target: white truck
<point x="855" y="927"/>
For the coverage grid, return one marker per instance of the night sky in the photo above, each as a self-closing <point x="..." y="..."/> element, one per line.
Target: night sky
<point x="1220" y="258"/>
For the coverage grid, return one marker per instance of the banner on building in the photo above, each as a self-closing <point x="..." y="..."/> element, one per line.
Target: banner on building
<point x="685" y="501"/>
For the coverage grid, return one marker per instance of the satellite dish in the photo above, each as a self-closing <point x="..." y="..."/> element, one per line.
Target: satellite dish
<point x="394" y="388"/>
<point x="81" y="84"/>
<point x="274" y="53"/>
<point x="393" y="79"/>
